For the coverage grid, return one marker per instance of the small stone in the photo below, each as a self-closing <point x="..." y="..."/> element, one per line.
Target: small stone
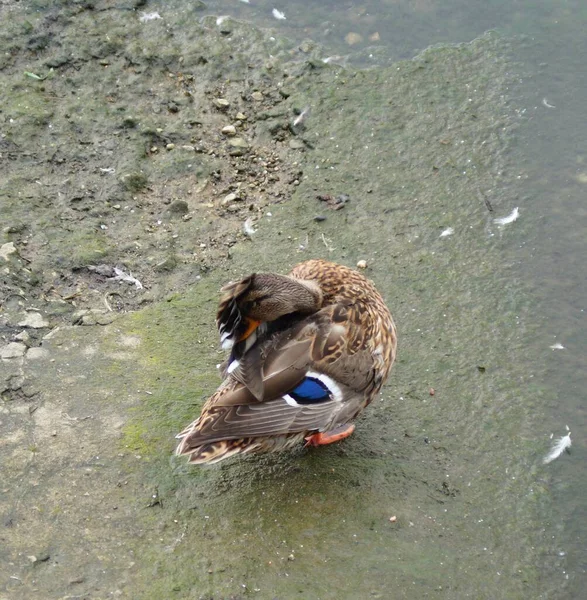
<point x="238" y="146"/>
<point x="221" y="103"/>
<point x="319" y="218"/>
<point x="13" y="350"/>
<point x="23" y="336"/>
<point x="179" y="207"/>
<point x="238" y="142"/>
<point x="116" y="206"/>
<point x="307" y="46"/>
<point x="189" y="148"/>
<point x="6" y="250"/>
<point x="240" y="116"/>
<point x="170" y="146"/>
<point x="352" y="38"/>
<point x="16" y="228"/>
<point x="375" y="37"/>
<point x="37" y="353"/>
<point x="225" y="27"/>
<point x="229" y="130"/>
<point x="257" y="96"/>
<point x="34" y="320"/>
<point x="362" y="264"/>
<point x="230" y="198"/>
<point x="296" y="144"/>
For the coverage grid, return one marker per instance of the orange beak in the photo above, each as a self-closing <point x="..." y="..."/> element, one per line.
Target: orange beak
<point x="252" y="324"/>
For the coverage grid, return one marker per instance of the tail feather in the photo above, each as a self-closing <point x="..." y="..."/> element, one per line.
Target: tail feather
<point x="214" y="452"/>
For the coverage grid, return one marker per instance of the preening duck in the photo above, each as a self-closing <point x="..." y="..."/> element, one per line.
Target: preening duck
<point x="308" y="352"/>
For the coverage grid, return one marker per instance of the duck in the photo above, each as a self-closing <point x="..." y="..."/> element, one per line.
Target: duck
<point x="308" y="351"/>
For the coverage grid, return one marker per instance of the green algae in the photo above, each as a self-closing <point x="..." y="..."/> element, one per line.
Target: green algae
<point x="413" y="146"/>
<point x="301" y="522"/>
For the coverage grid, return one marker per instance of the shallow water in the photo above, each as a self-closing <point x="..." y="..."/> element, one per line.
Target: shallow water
<point x="419" y="147"/>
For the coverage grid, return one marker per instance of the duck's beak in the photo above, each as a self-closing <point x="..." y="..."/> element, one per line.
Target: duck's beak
<point x="252" y="324"/>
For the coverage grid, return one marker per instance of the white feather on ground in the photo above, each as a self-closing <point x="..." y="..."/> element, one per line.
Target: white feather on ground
<point x="513" y="216"/>
<point x="278" y="14"/>
<point x="248" y="229"/>
<point x="557" y="346"/>
<point x="145" y="17"/>
<point x="122" y="276"/>
<point x="563" y="443"/>
<point x="448" y="231"/>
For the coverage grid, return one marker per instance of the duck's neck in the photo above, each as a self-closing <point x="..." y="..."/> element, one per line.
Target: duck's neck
<point x="310" y="298"/>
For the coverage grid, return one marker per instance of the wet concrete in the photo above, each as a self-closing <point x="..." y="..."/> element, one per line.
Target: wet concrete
<point x="93" y="504"/>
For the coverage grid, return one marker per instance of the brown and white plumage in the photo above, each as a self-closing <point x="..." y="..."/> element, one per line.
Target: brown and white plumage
<point x="308" y="352"/>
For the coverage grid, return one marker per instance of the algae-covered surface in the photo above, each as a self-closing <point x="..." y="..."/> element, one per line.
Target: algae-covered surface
<point x="112" y="156"/>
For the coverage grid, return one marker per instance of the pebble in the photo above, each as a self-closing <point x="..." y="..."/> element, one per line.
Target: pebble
<point x="170" y="146"/>
<point x="352" y="38"/>
<point x="23" y="336"/>
<point x="362" y="264"/>
<point x="240" y="116"/>
<point x="296" y="144"/>
<point x="34" y="320"/>
<point x="230" y="198"/>
<point x="238" y="146"/>
<point x="13" y="350"/>
<point x="229" y="130"/>
<point x="221" y="103"/>
<point x="37" y="353"/>
<point x="257" y="96"/>
<point x="238" y="142"/>
<point x="179" y="207"/>
<point x="7" y="249"/>
<point x="116" y="207"/>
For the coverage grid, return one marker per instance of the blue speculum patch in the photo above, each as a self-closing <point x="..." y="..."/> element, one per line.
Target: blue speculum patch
<point x="310" y="390"/>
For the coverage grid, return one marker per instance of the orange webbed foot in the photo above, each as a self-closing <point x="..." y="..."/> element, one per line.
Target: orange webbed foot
<point x="329" y="437"/>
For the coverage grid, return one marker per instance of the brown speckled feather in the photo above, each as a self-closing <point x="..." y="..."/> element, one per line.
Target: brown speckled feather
<point x="348" y="341"/>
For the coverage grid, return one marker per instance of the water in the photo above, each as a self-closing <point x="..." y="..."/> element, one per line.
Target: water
<point x="550" y="150"/>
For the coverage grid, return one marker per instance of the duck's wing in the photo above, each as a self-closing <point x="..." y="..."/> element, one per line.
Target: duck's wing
<point x="301" y="389"/>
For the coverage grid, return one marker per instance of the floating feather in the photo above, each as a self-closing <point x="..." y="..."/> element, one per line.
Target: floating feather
<point x="513" y="216"/>
<point x="563" y="443"/>
<point x="149" y="17"/>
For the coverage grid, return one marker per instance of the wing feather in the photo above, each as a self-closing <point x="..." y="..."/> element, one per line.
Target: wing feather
<point x="250" y="403"/>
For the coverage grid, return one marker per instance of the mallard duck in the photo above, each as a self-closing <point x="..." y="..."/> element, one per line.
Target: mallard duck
<point x="308" y="352"/>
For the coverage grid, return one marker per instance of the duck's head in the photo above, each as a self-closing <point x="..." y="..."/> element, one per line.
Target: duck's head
<point x="262" y="298"/>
